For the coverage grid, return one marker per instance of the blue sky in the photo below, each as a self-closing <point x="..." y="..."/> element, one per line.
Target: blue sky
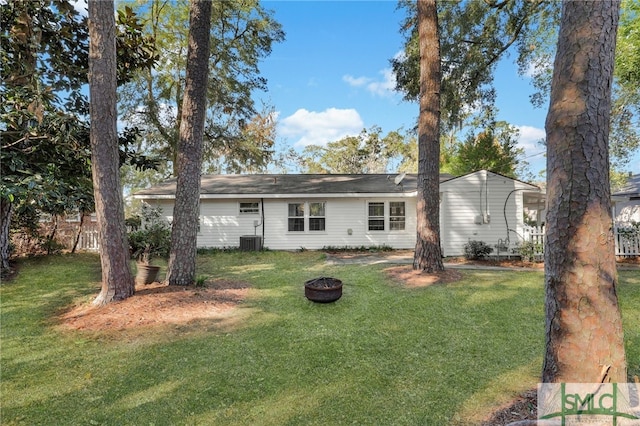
<point x="331" y="77"/>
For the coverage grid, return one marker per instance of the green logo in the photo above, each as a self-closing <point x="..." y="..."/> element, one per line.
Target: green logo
<point x="614" y="404"/>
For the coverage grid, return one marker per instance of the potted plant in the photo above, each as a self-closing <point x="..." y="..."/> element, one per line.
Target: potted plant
<point x="151" y="240"/>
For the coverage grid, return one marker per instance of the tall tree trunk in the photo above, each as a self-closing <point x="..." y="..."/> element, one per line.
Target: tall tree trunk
<point x="428" y="253"/>
<point x="186" y="212"/>
<point x="584" y="339"/>
<point x="117" y="282"/>
<point x="6" y="208"/>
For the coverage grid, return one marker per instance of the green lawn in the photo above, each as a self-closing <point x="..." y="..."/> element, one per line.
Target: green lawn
<point x="382" y="354"/>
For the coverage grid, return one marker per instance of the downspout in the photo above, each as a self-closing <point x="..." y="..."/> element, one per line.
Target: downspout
<point x="262" y="218"/>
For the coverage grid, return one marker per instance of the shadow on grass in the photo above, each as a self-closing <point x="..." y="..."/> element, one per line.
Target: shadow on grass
<point x="379" y="355"/>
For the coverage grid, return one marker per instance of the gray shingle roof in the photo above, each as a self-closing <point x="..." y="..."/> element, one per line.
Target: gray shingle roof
<point x="272" y="184"/>
<point x="631" y="188"/>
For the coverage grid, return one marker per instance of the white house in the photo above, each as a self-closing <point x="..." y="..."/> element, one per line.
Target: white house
<point x="315" y="211"/>
<point x="627" y="202"/>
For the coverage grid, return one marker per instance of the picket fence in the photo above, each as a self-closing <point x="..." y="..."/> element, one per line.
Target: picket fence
<point x="627" y="245"/>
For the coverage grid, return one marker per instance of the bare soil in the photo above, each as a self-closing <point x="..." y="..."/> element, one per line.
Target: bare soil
<point x="158" y="304"/>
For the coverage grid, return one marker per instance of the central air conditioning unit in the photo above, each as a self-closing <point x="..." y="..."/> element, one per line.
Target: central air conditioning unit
<point x="250" y="243"/>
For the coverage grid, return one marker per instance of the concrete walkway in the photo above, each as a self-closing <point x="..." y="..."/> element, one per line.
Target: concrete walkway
<point x="405" y="257"/>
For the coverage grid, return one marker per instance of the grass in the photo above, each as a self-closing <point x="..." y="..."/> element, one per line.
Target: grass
<point x="382" y="354"/>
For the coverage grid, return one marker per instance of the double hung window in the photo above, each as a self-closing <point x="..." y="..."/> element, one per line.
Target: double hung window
<point x="311" y="214"/>
<point x="377" y="218"/>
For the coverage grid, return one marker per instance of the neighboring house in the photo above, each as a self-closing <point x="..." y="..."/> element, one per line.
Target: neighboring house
<point x="69" y="231"/>
<point x="292" y="211"/>
<point x="627" y="202"/>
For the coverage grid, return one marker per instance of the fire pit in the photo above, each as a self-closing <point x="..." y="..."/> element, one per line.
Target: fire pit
<point x="323" y="289"/>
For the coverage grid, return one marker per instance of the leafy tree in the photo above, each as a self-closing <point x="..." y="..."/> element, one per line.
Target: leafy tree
<point x="584" y="340"/>
<point x="625" y="115"/>
<point x="368" y="152"/>
<point x="186" y="210"/>
<point x="428" y="253"/>
<point x="474" y="36"/>
<point x="242" y="33"/>
<point x="45" y="155"/>
<point x="493" y="149"/>
<point x="117" y="282"/>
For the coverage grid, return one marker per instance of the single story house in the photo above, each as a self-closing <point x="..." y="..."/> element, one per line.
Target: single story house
<point x="315" y="211"/>
<point x="627" y="202"/>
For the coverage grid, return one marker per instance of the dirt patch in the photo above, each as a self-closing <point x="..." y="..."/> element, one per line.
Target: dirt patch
<point x="159" y="304"/>
<point x="524" y="407"/>
<point x="407" y="277"/>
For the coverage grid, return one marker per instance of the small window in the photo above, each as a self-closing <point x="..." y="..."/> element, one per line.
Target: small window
<point x="73" y="216"/>
<point x="296" y="217"/>
<point x="249" y="208"/>
<point x="45" y="218"/>
<point x="316" y="217"/>
<point x="376" y="216"/>
<point x="396" y="216"/>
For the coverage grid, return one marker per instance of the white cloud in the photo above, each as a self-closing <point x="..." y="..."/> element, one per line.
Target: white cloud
<point x="386" y="86"/>
<point x="355" y="82"/>
<point x="530" y="138"/>
<point x="378" y="87"/>
<point x="320" y="128"/>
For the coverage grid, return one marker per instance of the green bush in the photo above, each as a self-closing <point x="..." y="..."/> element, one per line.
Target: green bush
<point x="153" y="239"/>
<point x="474" y="250"/>
<point x="529" y="251"/>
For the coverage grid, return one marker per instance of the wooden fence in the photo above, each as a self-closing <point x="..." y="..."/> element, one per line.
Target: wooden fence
<point x="627" y="243"/>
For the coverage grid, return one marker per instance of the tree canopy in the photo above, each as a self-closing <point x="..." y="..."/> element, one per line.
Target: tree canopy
<point x="242" y="33"/>
<point x="368" y="152"/>
<point x="45" y="156"/>
<point x="494" y="148"/>
<point x="475" y="34"/>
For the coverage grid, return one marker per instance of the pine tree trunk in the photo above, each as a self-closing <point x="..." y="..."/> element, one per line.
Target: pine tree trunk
<point x="428" y="253"/>
<point x="6" y="208"/>
<point x="584" y="338"/>
<point x="186" y="212"/>
<point x="117" y="282"/>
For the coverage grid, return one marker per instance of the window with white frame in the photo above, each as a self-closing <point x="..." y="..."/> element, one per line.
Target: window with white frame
<point x="296" y="217"/>
<point x="249" y="208"/>
<point x="396" y="216"/>
<point x="316" y="216"/>
<point x="309" y="216"/>
<point x="376" y="216"/>
<point x="73" y="216"/>
<point x="45" y="218"/>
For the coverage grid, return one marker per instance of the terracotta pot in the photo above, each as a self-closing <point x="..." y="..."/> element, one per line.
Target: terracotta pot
<point x="146" y="273"/>
<point x="323" y="289"/>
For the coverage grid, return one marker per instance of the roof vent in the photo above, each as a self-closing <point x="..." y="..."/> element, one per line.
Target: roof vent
<point x="399" y="178"/>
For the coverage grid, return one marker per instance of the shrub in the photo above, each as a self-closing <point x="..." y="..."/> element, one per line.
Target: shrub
<point x="153" y="240"/>
<point x="474" y="250"/>
<point x="530" y="251"/>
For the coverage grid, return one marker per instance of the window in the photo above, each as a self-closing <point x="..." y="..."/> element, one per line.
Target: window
<point x="249" y="208"/>
<point x="296" y="217"/>
<point x="316" y="217"/>
<point x="73" y="216"/>
<point x="396" y="216"/>
<point x="45" y="218"/>
<point x="376" y="216"/>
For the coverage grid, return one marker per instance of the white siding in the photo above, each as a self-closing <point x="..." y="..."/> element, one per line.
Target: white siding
<point x="342" y="215"/>
<point x="222" y="225"/>
<point x="493" y="200"/>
